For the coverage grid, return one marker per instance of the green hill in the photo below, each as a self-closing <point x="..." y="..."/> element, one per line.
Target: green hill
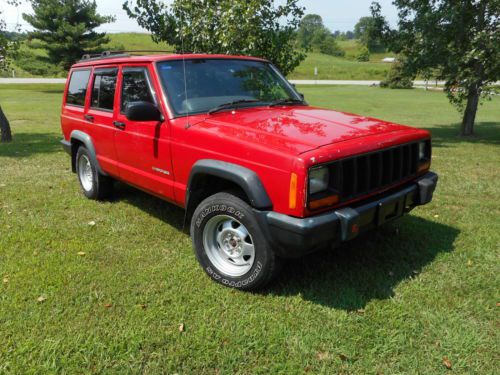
<point x="329" y="67"/>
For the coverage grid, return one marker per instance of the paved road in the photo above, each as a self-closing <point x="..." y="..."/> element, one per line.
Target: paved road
<point x="32" y="80"/>
<point x="297" y="82"/>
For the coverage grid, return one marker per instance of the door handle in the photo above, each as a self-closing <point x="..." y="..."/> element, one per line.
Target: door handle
<point x="89" y="118"/>
<point x="119" y="124"/>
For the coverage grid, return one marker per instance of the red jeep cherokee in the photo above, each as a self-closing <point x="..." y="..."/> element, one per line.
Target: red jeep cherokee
<point x="261" y="174"/>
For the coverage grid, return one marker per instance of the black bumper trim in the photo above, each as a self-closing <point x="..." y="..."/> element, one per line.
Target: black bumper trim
<point x="66" y="145"/>
<point x="293" y="237"/>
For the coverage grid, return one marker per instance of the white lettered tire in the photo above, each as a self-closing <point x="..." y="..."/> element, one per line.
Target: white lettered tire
<point x="229" y="244"/>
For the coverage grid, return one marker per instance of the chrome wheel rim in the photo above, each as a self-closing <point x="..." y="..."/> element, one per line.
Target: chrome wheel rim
<point x="85" y="172"/>
<point x="228" y="245"/>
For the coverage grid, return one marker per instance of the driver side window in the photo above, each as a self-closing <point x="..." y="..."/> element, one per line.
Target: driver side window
<point x="135" y="87"/>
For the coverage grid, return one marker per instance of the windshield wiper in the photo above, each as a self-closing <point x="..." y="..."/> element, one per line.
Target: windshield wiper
<point x="286" y="101"/>
<point x="231" y="104"/>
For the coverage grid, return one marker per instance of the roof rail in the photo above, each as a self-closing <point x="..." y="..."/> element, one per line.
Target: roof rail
<point x="112" y="54"/>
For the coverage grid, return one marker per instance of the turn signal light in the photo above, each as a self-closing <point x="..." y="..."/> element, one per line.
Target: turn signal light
<point x="424" y="166"/>
<point x="292" y="197"/>
<point x="324" y="202"/>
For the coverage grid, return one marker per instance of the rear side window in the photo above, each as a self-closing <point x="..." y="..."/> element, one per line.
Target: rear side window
<point x="135" y="87"/>
<point x="78" y="87"/>
<point x="103" y="89"/>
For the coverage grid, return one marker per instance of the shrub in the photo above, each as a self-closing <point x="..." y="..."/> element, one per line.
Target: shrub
<point x="329" y="46"/>
<point x="363" y="55"/>
<point x="397" y="78"/>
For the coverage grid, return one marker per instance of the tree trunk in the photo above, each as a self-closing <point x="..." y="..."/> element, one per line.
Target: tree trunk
<point x="470" y="113"/>
<point x="4" y="128"/>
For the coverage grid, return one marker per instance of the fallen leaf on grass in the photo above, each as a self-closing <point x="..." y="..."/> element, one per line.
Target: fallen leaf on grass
<point x="91" y="223"/>
<point x="343" y="357"/>
<point x="447" y="363"/>
<point x="469" y="263"/>
<point x="436" y="216"/>
<point x="181" y="327"/>
<point x="35" y="253"/>
<point x="322" y="356"/>
<point x="360" y="311"/>
<point x="498" y="304"/>
<point x="9" y="212"/>
<point x="142" y="306"/>
<point x="41" y="299"/>
<point x="81" y="253"/>
<point x="3" y="185"/>
<point x="108" y="305"/>
<point x="6" y="279"/>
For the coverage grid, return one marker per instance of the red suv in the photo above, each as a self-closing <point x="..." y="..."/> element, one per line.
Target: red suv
<point x="261" y="174"/>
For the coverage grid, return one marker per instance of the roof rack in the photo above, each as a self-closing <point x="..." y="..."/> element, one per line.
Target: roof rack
<point x="113" y="54"/>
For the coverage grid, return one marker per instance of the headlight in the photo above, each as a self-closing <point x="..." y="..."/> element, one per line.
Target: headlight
<point x="318" y="180"/>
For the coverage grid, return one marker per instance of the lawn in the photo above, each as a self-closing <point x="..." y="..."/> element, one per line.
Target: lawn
<point x="105" y="287"/>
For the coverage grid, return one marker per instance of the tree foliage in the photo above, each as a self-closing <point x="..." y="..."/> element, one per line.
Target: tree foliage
<point x="369" y="30"/>
<point x="248" y="27"/>
<point x="66" y="28"/>
<point x="458" y="41"/>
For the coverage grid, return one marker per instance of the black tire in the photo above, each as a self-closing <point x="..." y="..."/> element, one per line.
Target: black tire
<point x="98" y="187"/>
<point x="225" y="205"/>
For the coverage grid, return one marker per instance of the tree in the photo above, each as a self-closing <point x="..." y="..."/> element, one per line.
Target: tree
<point x="459" y="41"/>
<point x="311" y="26"/>
<point x="8" y="48"/>
<point x="329" y="46"/>
<point x="66" y="28"/>
<point x="248" y="27"/>
<point x="369" y="30"/>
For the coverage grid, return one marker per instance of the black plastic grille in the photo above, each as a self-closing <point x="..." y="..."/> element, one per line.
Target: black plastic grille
<point x="374" y="171"/>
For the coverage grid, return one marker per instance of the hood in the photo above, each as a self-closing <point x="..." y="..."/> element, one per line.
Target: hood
<point x="294" y="129"/>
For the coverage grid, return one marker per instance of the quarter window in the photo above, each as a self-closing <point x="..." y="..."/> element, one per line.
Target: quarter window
<point x="103" y="90"/>
<point x="77" y="89"/>
<point x="135" y="87"/>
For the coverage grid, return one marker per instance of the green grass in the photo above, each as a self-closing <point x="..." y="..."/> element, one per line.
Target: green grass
<point x="331" y="67"/>
<point x="394" y="302"/>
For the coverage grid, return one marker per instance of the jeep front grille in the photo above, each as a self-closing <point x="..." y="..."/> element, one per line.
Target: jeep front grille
<point x="367" y="173"/>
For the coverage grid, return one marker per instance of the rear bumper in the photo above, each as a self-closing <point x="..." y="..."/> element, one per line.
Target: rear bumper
<point x="293" y="237"/>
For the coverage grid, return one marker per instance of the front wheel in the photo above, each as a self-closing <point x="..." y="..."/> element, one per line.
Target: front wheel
<point x="229" y="244"/>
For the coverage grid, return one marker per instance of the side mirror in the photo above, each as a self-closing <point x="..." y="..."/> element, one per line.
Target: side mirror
<point x="302" y="96"/>
<point x="143" y="111"/>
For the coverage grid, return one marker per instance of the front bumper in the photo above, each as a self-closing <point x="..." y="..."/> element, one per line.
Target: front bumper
<point x="292" y="237"/>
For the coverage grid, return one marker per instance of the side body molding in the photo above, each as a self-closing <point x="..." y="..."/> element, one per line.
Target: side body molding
<point x="78" y="135"/>
<point x="241" y="176"/>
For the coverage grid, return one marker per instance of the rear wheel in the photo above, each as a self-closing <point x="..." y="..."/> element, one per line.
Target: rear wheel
<point x="94" y="185"/>
<point x="229" y="244"/>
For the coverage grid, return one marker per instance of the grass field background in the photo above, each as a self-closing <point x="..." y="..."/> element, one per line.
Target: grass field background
<point x="329" y="67"/>
<point x="110" y="297"/>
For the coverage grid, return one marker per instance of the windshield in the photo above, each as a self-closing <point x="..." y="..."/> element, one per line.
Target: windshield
<point x="211" y="83"/>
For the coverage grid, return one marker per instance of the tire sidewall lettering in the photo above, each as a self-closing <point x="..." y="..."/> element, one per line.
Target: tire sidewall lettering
<point x="220" y="208"/>
<point x="236" y="284"/>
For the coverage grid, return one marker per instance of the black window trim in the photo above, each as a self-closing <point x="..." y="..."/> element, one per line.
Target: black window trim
<point x="88" y="82"/>
<point x="100" y="72"/>
<point x="142" y="68"/>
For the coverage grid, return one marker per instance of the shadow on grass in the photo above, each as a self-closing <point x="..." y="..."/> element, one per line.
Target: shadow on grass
<point x="28" y="144"/>
<point x="485" y="133"/>
<point x="162" y="210"/>
<point x="349" y="277"/>
<point x="368" y="268"/>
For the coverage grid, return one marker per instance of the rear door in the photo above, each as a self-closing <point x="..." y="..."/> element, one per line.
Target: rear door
<point x="143" y="147"/>
<point x="101" y="114"/>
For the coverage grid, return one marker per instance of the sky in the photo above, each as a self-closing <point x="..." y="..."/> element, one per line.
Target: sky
<point x="337" y="14"/>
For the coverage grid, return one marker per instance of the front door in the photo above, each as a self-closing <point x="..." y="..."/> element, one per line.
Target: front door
<point x="142" y="147"/>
